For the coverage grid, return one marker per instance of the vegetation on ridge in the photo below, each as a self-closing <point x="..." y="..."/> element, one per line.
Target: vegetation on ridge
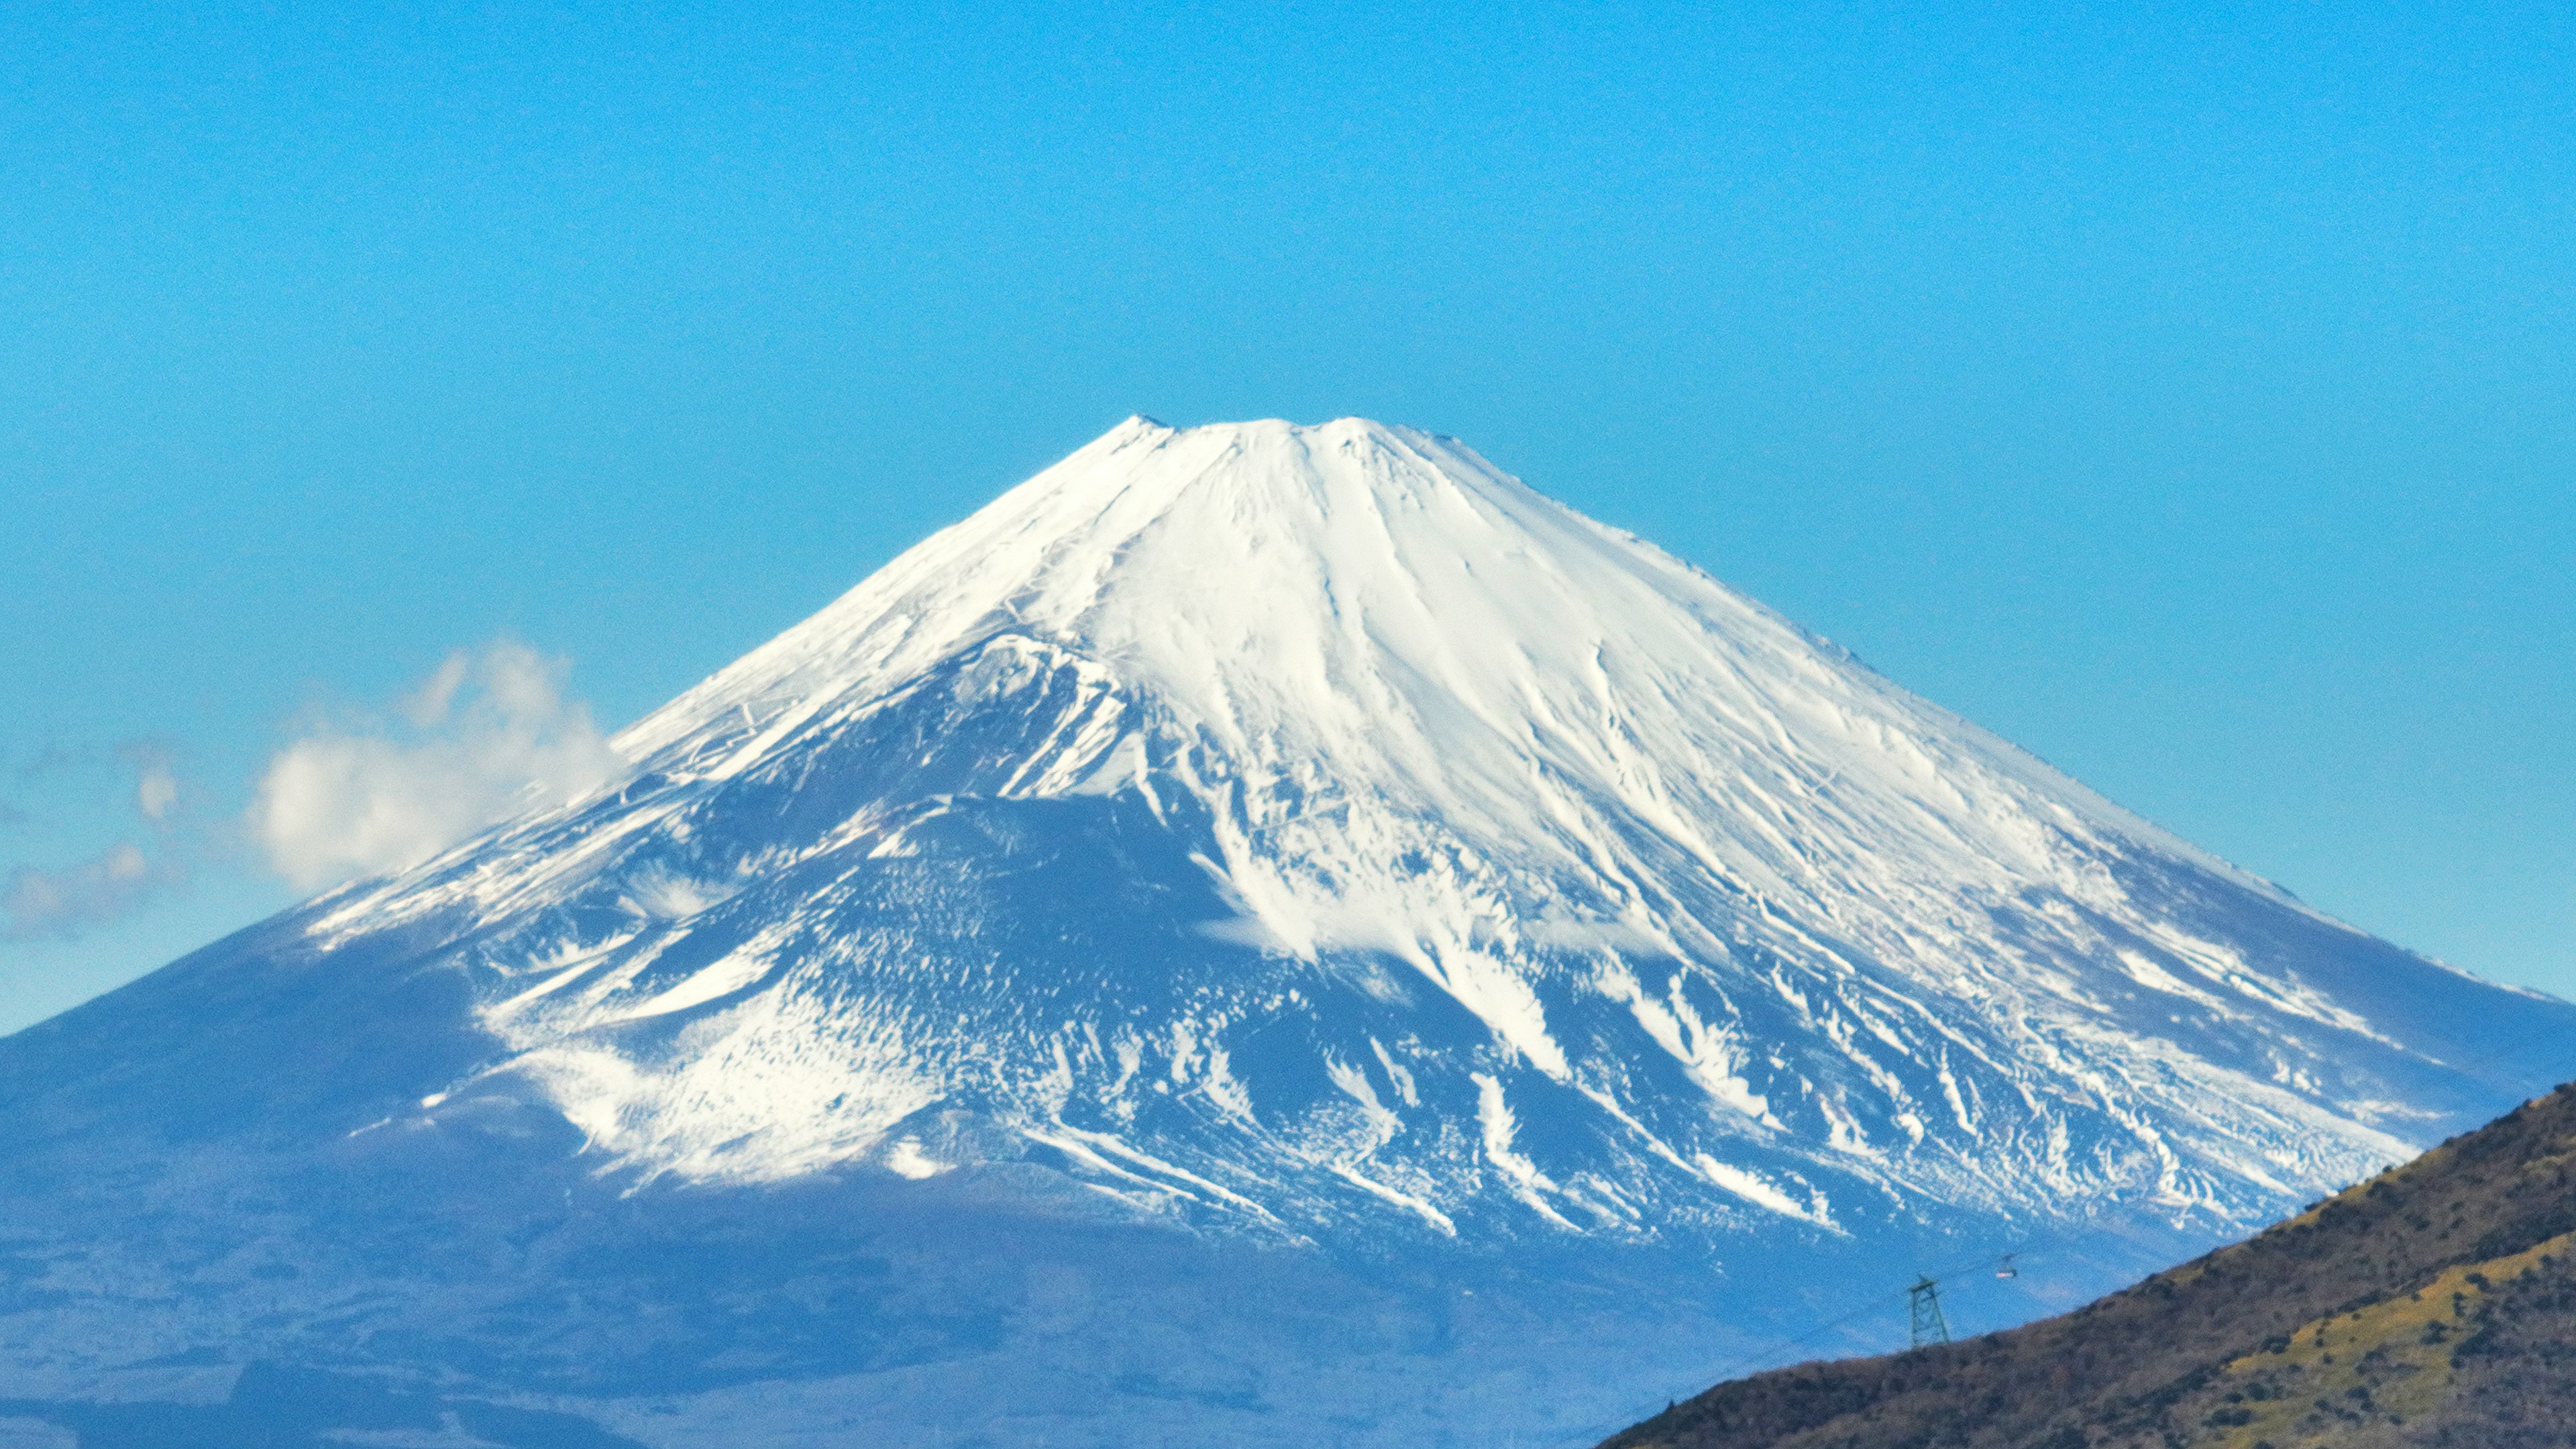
<point x="2430" y="1306"/>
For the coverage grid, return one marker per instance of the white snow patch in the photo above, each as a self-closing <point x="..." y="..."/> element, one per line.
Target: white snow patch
<point x="906" y="1159"/>
<point x="1494" y="1116"/>
<point x="1753" y="1189"/>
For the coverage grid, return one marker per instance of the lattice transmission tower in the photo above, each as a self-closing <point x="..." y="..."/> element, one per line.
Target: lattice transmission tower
<point x="1929" y="1326"/>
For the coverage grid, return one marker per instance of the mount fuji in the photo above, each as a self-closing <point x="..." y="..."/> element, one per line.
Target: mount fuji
<point x="1262" y="935"/>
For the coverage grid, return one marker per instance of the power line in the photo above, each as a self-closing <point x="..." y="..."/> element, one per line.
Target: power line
<point x="1736" y="1368"/>
<point x="1926" y="1325"/>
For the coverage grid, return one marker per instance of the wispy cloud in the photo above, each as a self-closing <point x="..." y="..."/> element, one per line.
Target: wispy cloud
<point x="60" y="902"/>
<point x="489" y="733"/>
<point x="156" y="785"/>
<point x="118" y="881"/>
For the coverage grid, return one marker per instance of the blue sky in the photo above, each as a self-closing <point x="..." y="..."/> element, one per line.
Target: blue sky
<point x="2183" y="393"/>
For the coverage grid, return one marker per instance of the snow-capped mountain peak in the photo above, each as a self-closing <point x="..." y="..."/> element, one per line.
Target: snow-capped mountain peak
<point x="1263" y="935"/>
<point x="1593" y="896"/>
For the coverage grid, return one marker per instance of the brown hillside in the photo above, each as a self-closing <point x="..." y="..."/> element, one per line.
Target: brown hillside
<point x="2433" y="1305"/>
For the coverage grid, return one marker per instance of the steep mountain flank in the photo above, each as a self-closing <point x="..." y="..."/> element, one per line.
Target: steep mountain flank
<point x="2434" y="1305"/>
<point x="1262" y="935"/>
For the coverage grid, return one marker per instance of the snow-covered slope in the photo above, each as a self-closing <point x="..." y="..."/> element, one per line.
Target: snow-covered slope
<point x="1312" y="837"/>
<point x="1509" y="870"/>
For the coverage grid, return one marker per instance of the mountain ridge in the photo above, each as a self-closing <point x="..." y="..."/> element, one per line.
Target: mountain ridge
<point x="1260" y="490"/>
<point x="2366" y="1320"/>
<point x="1307" y="848"/>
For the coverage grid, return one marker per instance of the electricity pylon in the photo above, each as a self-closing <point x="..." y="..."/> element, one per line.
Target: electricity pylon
<point x="1929" y="1326"/>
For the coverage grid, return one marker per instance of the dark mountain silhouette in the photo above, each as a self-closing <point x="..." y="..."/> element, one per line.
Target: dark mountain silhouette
<point x="2434" y="1305"/>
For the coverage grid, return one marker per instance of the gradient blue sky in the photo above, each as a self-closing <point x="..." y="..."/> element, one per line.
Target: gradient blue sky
<point x="2181" y="392"/>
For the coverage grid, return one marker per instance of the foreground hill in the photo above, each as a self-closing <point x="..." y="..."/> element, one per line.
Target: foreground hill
<point x="2434" y="1305"/>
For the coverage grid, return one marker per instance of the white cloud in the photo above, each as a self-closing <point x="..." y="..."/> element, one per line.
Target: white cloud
<point x="155" y="793"/>
<point x="156" y="785"/>
<point x="119" y="881"/>
<point x="60" y="902"/>
<point x="489" y="734"/>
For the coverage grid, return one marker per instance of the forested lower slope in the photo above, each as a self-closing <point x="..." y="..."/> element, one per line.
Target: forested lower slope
<point x="2432" y="1305"/>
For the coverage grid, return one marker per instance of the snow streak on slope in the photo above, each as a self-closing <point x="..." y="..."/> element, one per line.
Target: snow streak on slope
<point x="1314" y="829"/>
